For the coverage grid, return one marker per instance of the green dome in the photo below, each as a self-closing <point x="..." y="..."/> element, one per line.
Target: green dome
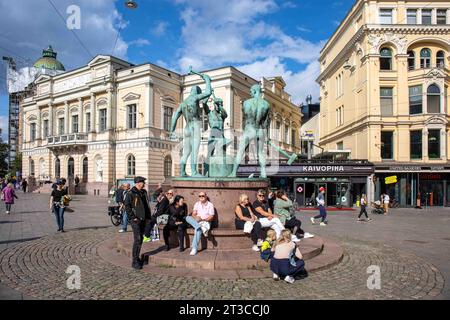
<point x="48" y="61"/>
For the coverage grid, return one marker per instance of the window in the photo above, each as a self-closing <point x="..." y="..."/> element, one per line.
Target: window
<point x="286" y="134"/>
<point x="387" y="150"/>
<point x="426" y="16"/>
<point x="131" y="116"/>
<point x="425" y="58"/>
<point x="386" y="16"/>
<point x="386" y="59"/>
<point x="434" y="144"/>
<point x="167" y="167"/>
<point x="411" y="60"/>
<point x="58" y="168"/>
<point x="168" y="112"/>
<point x="433" y="99"/>
<point x="441" y="16"/>
<point x="387" y="103"/>
<point x="102" y="120"/>
<point x="74" y="124"/>
<point x="412" y="16"/>
<point x="340" y="145"/>
<point x="45" y="128"/>
<point x="88" y="122"/>
<point x="415" y="144"/>
<point x="415" y="100"/>
<point x="278" y="128"/>
<point x="85" y="169"/>
<point x="32" y="167"/>
<point x="131" y="165"/>
<point x="340" y="116"/>
<point x="61" y="126"/>
<point x="440" y="59"/>
<point x="32" y="131"/>
<point x="205" y="121"/>
<point x="293" y="139"/>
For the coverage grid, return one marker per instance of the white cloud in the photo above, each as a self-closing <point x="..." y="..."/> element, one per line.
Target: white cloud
<point x="289" y="5"/>
<point x="139" y="42"/>
<point x="4" y="127"/>
<point x="160" y="28"/>
<point x="233" y="32"/>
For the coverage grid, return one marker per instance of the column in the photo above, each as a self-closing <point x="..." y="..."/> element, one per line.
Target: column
<point x="24" y="128"/>
<point x="81" y="116"/>
<point x="434" y="16"/>
<point x="109" y="110"/>
<point x="66" y="118"/>
<point x="402" y="90"/>
<point x="93" y="113"/>
<point x="149" y="113"/>
<point x="39" y="124"/>
<point x="50" y="119"/>
<point x="443" y="144"/>
<point x="425" y="144"/>
<point x="419" y="16"/>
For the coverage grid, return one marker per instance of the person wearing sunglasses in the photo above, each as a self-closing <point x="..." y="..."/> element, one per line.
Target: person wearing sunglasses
<point x="200" y="220"/>
<point x="264" y="213"/>
<point x="162" y="208"/>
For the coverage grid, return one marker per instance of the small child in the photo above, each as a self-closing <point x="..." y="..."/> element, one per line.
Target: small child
<point x="266" y="247"/>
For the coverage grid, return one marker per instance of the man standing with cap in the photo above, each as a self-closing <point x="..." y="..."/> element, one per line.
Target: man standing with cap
<point x="321" y="203"/>
<point x="138" y="211"/>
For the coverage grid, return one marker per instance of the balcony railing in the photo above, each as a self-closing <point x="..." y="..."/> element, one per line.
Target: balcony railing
<point x="427" y="66"/>
<point x="68" y="139"/>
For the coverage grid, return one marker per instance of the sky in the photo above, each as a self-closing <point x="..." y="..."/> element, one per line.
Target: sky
<point x="259" y="37"/>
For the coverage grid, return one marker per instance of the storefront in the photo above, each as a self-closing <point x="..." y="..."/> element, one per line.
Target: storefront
<point x="406" y="184"/>
<point x="344" y="181"/>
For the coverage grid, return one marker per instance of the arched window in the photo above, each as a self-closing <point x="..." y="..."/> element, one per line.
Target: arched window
<point x="131" y="165"/>
<point x="425" y="58"/>
<point x="70" y="168"/>
<point x="85" y="169"/>
<point x="434" y="99"/>
<point x="57" y="168"/>
<point x="440" y="59"/>
<point x="411" y="60"/>
<point x="386" y="59"/>
<point x="167" y="167"/>
<point x="31" y="167"/>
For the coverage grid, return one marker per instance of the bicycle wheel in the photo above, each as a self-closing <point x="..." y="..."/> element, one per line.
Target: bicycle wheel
<point x="116" y="220"/>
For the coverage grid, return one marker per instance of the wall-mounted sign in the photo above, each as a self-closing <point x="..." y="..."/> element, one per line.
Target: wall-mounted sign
<point x="390" y="180"/>
<point x="299" y="189"/>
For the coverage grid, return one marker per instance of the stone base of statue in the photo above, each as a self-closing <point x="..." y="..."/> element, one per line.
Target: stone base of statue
<point x="220" y="166"/>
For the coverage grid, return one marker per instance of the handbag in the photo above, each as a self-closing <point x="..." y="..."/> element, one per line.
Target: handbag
<point x="248" y="227"/>
<point x="292" y="257"/>
<point x="162" y="219"/>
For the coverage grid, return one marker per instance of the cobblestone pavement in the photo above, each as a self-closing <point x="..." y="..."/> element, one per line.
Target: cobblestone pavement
<point x="37" y="268"/>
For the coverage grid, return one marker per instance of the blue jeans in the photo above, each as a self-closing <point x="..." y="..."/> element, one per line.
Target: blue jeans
<point x="323" y="214"/>
<point x="124" y="224"/>
<point x="59" y="214"/>
<point x="198" y="231"/>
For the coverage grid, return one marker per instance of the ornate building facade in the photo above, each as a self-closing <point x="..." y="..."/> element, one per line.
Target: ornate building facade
<point x="384" y="96"/>
<point x="110" y="120"/>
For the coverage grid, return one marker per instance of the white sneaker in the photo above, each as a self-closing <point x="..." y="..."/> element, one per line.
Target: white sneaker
<point x="289" y="279"/>
<point x="260" y="242"/>
<point x="294" y="238"/>
<point x="313" y="221"/>
<point x="7" y="212"/>
<point x="308" y="235"/>
<point x="121" y="231"/>
<point x="323" y="224"/>
<point x="276" y="277"/>
<point x="255" y="248"/>
<point x="193" y="252"/>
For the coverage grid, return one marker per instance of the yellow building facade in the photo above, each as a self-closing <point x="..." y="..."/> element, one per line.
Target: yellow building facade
<point x="110" y="120"/>
<point x="384" y="96"/>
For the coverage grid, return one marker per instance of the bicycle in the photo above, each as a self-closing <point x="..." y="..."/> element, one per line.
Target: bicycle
<point x="116" y="215"/>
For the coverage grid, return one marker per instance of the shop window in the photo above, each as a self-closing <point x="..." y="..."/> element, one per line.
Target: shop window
<point x="434" y="144"/>
<point x="415" y="100"/>
<point x="440" y="59"/>
<point x="387" y="147"/>
<point x="416" y="144"/>
<point x="426" y="16"/>
<point x="411" y="60"/>
<point x="386" y="16"/>
<point x="386" y="101"/>
<point x="386" y="59"/>
<point x="425" y="58"/>
<point x="433" y="99"/>
<point x="412" y="16"/>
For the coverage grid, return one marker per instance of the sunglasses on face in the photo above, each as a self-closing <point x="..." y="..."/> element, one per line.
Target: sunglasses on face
<point x="201" y="196"/>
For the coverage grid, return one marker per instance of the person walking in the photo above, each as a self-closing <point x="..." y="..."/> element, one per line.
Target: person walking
<point x="323" y="212"/>
<point x="138" y="211"/>
<point x="57" y="205"/>
<point x="178" y="212"/>
<point x="363" y="206"/>
<point x="120" y="200"/>
<point x="24" y="185"/>
<point x="8" y="195"/>
<point x="200" y="219"/>
<point x="386" y="200"/>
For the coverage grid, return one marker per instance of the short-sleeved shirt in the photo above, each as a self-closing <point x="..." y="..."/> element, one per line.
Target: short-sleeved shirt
<point x="204" y="211"/>
<point x="57" y="195"/>
<point x="386" y="198"/>
<point x="258" y="204"/>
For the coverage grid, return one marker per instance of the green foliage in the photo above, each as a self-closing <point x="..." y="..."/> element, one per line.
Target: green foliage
<point x="4" y="149"/>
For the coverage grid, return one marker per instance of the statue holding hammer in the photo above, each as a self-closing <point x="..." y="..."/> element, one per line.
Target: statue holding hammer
<point x="190" y="110"/>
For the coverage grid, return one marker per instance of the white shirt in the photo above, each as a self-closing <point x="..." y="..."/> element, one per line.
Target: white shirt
<point x="386" y="198"/>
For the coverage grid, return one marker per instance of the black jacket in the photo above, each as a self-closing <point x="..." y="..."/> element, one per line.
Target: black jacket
<point x="162" y="207"/>
<point x="136" y="204"/>
<point x="177" y="214"/>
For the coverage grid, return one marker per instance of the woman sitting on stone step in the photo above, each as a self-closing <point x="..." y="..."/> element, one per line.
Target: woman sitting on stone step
<point x="247" y="221"/>
<point x="178" y="212"/>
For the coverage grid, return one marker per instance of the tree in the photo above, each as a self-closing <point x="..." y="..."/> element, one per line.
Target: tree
<point x="16" y="165"/>
<point x="4" y="150"/>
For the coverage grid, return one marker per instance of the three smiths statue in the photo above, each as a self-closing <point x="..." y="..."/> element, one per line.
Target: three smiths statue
<point x="190" y="109"/>
<point x="256" y="122"/>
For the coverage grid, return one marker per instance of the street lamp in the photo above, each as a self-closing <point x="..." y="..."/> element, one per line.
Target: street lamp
<point x="131" y="4"/>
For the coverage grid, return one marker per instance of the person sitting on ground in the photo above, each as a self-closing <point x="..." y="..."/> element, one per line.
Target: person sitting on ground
<point x="266" y="247"/>
<point x="246" y="220"/>
<point x="178" y="212"/>
<point x="200" y="219"/>
<point x="284" y="210"/>
<point x="287" y="260"/>
<point x="265" y="215"/>
<point x="162" y="208"/>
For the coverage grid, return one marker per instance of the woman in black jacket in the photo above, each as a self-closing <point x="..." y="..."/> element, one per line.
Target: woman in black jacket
<point x="178" y="212"/>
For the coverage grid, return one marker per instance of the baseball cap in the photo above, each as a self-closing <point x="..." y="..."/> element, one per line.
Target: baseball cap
<point x="139" y="179"/>
<point x="321" y="189"/>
